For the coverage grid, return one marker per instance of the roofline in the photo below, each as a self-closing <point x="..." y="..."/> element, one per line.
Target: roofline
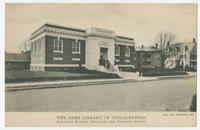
<point x="59" y="27"/>
<point x="142" y="49"/>
<point x="183" y="42"/>
<point x="74" y="29"/>
<point x="38" y="29"/>
<point x="122" y="37"/>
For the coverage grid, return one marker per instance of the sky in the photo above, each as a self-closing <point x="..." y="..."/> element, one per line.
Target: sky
<point x="143" y="22"/>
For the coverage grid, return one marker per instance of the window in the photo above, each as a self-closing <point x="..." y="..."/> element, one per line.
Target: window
<point x="58" y="45"/>
<point x="170" y="49"/>
<point x="186" y="48"/>
<point x="127" y="51"/>
<point x="193" y="56"/>
<point x="147" y="55"/>
<point x="117" y="50"/>
<point x="147" y="62"/>
<point x="183" y="56"/>
<point x="76" y="47"/>
<point x="177" y="49"/>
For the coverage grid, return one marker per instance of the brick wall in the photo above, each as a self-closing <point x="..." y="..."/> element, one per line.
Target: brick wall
<point x="67" y="52"/>
<point x="125" y="60"/>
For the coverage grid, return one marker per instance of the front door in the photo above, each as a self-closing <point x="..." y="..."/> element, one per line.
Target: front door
<point x="103" y="55"/>
<point x="104" y="52"/>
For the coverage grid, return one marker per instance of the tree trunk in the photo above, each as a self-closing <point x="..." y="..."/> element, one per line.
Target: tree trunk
<point x="162" y="61"/>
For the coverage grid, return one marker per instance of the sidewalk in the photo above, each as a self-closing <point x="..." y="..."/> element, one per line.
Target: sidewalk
<point x="126" y="77"/>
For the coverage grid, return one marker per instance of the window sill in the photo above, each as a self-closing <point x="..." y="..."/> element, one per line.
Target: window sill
<point x="58" y="51"/>
<point x="76" y="53"/>
<point x="76" y="59"/>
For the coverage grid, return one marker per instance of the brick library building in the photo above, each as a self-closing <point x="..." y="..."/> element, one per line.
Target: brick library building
<point x="55" y="47"/>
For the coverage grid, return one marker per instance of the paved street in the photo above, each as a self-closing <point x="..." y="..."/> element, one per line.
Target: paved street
<point x="162" y="95"/>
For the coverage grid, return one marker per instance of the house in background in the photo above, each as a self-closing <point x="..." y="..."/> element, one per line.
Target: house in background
<point x="55" y="47"/>
<point x="184" y="54"/>
<point x="148" y="57"/>
<point x="17" y="61"/>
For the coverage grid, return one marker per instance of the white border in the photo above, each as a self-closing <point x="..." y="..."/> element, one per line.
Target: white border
<point x="2" y="72"/>
<point x="103" y="1"/>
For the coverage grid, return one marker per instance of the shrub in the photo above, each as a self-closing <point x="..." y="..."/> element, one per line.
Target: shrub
<point x="163" y="73"/>
<point x="74" y="74"/>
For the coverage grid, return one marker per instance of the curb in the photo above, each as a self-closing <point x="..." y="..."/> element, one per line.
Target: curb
<point x="62" y="85"/>
<point x="89" y="83"/>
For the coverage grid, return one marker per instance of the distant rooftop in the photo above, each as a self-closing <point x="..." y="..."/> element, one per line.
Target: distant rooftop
<point x="146" y="48"/>
<point x="192" y="46"/>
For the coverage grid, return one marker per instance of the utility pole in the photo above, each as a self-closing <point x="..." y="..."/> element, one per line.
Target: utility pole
<point x="184" y="58"/>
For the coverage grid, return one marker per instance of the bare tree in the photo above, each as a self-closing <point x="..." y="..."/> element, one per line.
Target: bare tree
<point x="163" y="40"/>
<point x="24" y="46"/>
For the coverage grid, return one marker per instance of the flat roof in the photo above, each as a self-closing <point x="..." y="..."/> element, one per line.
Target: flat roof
<point x="73" y="29"/>
<point x="17" y="57"/>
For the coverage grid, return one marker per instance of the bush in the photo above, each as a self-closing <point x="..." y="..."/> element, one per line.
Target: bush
<point x="127" y="69"/>
<point x="163" y="73"/>
<point x="191" y="69"/>
<point x="74" y="74"/>
<point x="193" y="105"/>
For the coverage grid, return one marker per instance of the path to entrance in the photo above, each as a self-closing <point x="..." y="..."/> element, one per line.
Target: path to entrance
<point x="132" y="75"/>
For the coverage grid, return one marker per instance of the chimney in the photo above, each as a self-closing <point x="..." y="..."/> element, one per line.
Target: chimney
<point x="156" y="45"/>
<point x="168" y="43"/>
<point x="193" y="40"/>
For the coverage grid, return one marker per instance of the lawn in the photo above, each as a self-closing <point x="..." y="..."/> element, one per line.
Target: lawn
<point x="29" y="76"/>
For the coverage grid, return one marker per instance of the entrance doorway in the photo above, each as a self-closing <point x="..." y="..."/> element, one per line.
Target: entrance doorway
<point x="103" y="55"/>
<point x="104" y="52"/>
